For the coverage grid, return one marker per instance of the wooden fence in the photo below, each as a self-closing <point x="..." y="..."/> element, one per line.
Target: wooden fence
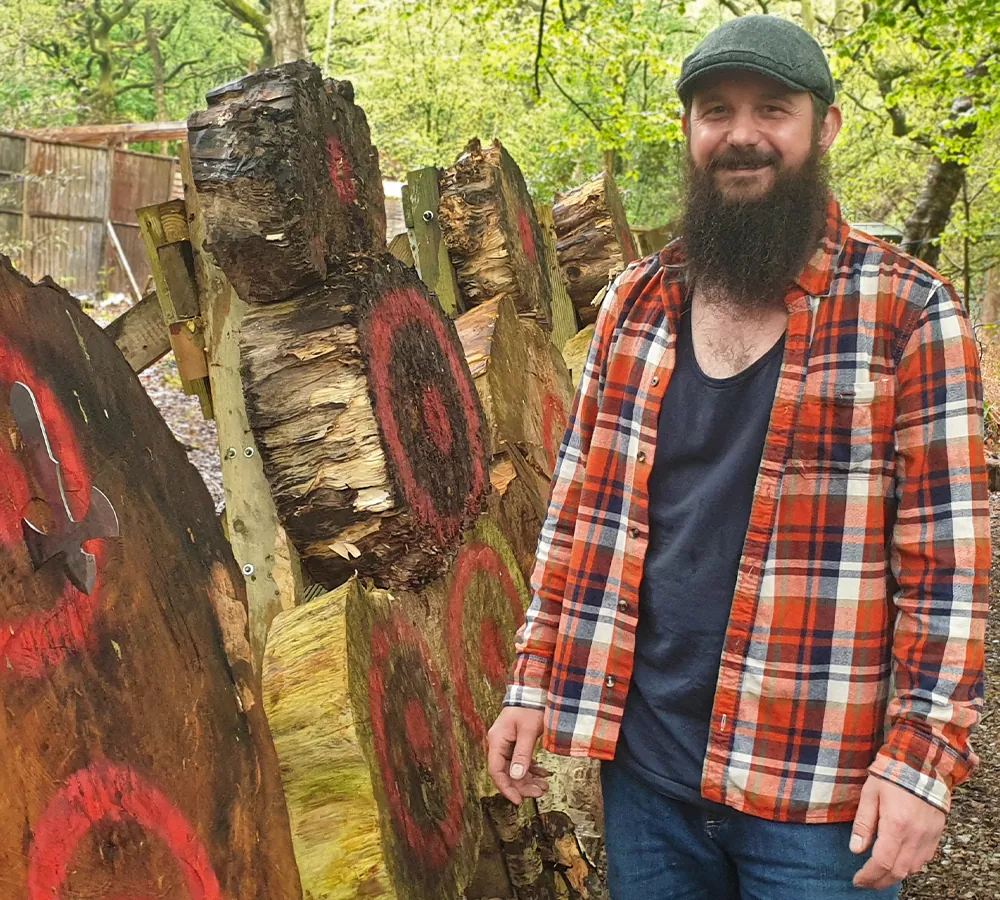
<point x="62" y="205"/>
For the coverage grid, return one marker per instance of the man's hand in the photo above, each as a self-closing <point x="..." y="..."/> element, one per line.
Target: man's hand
<point x="908" y="830"/>
<point x="511" y="745"/>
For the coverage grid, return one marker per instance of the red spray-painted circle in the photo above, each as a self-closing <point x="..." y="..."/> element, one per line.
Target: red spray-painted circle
<point x="339" y="166"/>
<point x="403" y="332"/>
<point x="32" y="645"/>
<point x="423" y="778"/>
<point x="105" y="792"/>
<point x="554" y="421"/>
<point x="527" y="235"/>
<point x="480" y="560"/>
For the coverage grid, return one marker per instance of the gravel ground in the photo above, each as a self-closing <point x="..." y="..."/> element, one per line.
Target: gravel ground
<point x="968" y="863"/>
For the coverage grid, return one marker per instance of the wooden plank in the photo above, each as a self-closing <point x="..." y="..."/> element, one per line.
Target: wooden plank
<point x="140" y="334"/>
<point x="421" y="198"/>
<point x="400" y="247"/>
<point x="564" y="321"/>
<point x="125" y="133"/>
<point x="271" y="567"/>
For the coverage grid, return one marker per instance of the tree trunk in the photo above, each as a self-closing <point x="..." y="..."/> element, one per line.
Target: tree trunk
<point x="593" y="241"/>
<point x="923" y="229"/>
<point x="288" y="179"/>
<point x="289" y="30"/>
<point x="138" y="759"/>
<point x="493" y="237"/>
<point x="159" y="74"/>
<point x="372" y="436"/>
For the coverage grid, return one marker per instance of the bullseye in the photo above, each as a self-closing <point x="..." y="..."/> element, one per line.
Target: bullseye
<point x="436" y="419"/>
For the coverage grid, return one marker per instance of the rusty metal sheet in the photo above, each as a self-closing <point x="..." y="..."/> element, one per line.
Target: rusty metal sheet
<point x="135" y="250"/>
<point x="71" y="252"/>
<point x="140" y="179"/>
<point x="67" y="180"/>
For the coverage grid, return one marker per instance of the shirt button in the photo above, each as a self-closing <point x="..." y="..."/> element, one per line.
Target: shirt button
<point x="623" y="605"/>
<point x="610" y="681"/>
<point x="641" y="456"/>
<point x="634" y="531"/>
<point x="655" y="381"/>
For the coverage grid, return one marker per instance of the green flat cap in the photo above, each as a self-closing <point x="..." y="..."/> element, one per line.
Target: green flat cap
<point x="763" y="44"/>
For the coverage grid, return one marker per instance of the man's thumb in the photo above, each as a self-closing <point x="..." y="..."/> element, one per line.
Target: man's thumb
<point x="524" y="746"/>
<point x="866" y="818"/>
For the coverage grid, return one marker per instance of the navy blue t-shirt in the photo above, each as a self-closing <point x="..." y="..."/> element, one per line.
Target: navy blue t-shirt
<point x="710" y="439"/>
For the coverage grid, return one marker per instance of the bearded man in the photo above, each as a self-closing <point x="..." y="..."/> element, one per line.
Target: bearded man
<point x="761" y="586"/>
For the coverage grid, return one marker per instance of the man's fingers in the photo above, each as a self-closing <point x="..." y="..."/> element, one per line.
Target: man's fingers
<point x="524" y="747"/>
<point x="866" y="819"/>
<point x="884" y="863"/>
<point x="497" y="763"/>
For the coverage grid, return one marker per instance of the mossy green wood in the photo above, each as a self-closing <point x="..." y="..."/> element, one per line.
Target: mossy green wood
<point x="328" y="787"/>
<point x="420" y="212"/>
<point x="564" y="321"/>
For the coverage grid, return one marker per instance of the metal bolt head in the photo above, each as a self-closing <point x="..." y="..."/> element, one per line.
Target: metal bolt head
<point x="231" y="453"/>
<point x="248" y="452"/>
<point x="248" y="570"/>
<point x="428" y="215"/>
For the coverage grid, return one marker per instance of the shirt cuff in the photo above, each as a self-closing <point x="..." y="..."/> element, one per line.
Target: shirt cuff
<point x="920" y="764"/>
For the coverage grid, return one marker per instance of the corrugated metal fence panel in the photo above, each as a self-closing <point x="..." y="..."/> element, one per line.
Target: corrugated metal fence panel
<point x="11" y="193"/>
<point x="10" y="236"/>
<point x="11" y="153"/>
<point x="70" y="251"/>
<point x="140" y="180"/>
<point x="135" y="251"/>
<point x="68" y="181"/>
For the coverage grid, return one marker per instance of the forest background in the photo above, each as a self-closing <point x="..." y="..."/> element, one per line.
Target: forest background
<point x="568" y="85"/>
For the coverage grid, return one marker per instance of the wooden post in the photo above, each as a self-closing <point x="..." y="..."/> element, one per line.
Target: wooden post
<point x="140" y="334"/>
<point x="270" y="565"/>
<point x="421" y="199"/>
<point x="564" y="321"/>
<point x="25" y="206"/>
<point x="164" y="230"/>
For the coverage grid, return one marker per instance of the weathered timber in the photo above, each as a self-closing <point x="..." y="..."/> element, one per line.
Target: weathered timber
<point x="372" y="434"/>
<point x="493" y="237"/>
<point x="288" y="179"/>
<point x="328" y="788"/>
<point x="140" y="334"/>
<point x="575" y="352"/>
<point x="273" y="576"/>
<point x="564" y="320"/>
<point x="651" y="240"/>
<point x="593" y="240"/>
<point x="421" y="202"/>
<point x="400" y="247"/>
<point x="522" y="381"/>
<point x="138" y="758"/>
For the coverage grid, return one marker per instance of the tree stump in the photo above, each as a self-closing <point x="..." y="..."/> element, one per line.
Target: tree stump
<point x="288" y="179"/>
<point x="139" y="760"/>
<point x="522" y="381"/>
<point x="368" y="423"/>
<point x="492" y="233"/>
<point x="593" y="240"/>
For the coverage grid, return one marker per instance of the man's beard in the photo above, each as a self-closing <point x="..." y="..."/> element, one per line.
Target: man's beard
<point x="747" y="251"/>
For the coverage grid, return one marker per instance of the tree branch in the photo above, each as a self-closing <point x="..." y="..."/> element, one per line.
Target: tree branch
<point x="538" y="48"/>
<point x="577" y="106"/>
<point x="734" y="7"/>
<point x="247" y="14"/>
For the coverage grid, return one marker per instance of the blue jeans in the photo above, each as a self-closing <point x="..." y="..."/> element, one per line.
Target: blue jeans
<point x="663" y="849"/>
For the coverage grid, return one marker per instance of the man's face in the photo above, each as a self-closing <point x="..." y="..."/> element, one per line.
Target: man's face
<point x="745" y="128"/>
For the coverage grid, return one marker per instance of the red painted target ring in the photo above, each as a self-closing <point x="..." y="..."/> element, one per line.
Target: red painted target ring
<point x="554" y="421"/>
<point x="32" y="645"/>
<point x="481" y="632"/>
<point x="527" y="235"/>
<point x="338" y="164"/>
<point x="105" y="792"/>
<point x="432" y="425"/>
<point x="415" y="744"/>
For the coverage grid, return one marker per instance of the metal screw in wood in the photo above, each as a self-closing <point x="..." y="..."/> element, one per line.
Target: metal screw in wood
<point x="248" y="569"/>
<point x="428" y="215"/>
<point x="248" y="452"/>
<point x="231" y="453"/>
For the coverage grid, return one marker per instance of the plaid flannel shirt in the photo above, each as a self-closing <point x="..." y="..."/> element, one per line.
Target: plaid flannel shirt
<point x="855" y="640"/>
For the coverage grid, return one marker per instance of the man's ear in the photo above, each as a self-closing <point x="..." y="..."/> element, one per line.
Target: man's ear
<point x="831" y="128"/>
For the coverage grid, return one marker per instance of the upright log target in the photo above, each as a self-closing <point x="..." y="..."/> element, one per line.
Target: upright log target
<point x="138" y="760"/>
<point x="368" y="422"/>
<point x="288" y="178"/>
<point x="492" y="233"/>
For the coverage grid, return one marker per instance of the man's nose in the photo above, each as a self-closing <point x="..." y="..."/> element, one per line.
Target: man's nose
<point x="743" y="130"/>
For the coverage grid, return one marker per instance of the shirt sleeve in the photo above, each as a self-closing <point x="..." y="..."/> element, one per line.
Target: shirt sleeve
<point x="536" y="640"/>
<point x="940" y="557"/>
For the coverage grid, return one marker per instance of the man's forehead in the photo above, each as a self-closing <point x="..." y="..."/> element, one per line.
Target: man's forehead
<point x="742" y="83"/>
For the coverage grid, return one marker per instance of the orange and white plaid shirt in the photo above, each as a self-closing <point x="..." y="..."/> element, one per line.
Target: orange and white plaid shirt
<point x="855" y="640"/>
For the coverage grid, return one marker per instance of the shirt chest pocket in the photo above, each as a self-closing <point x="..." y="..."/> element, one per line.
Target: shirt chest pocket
<point x="846" y="429"/>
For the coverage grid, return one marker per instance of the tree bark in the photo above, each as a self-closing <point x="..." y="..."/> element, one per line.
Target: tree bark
<point x="289" y="30"/>
<point x="575" y="353"/>
<point x="492" y="233"/>
<point x="139" y="761"/>
<point x="923" y="229"/>
<point x="159" y="73"/>
<point x="593" y="240"/>
<point x="288" y="179"/>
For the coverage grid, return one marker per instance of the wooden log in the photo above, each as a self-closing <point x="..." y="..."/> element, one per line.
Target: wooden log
<point x="564" y="320"/>
<point x="593" y="240"/>
<point x="288" y="179"/>
<point x="140" y="334"/>
<point x="421" y="213"/>
<point x="575" y="352"/>
<point x="270" y="564"/>
<point x="492" y="233"/>
<point x="371" y="431"/>
<point x="523" y="383"/>
<point x="138" y="759"/>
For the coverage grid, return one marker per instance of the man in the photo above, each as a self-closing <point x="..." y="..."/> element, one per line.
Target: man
<point x="760" y="589"/>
